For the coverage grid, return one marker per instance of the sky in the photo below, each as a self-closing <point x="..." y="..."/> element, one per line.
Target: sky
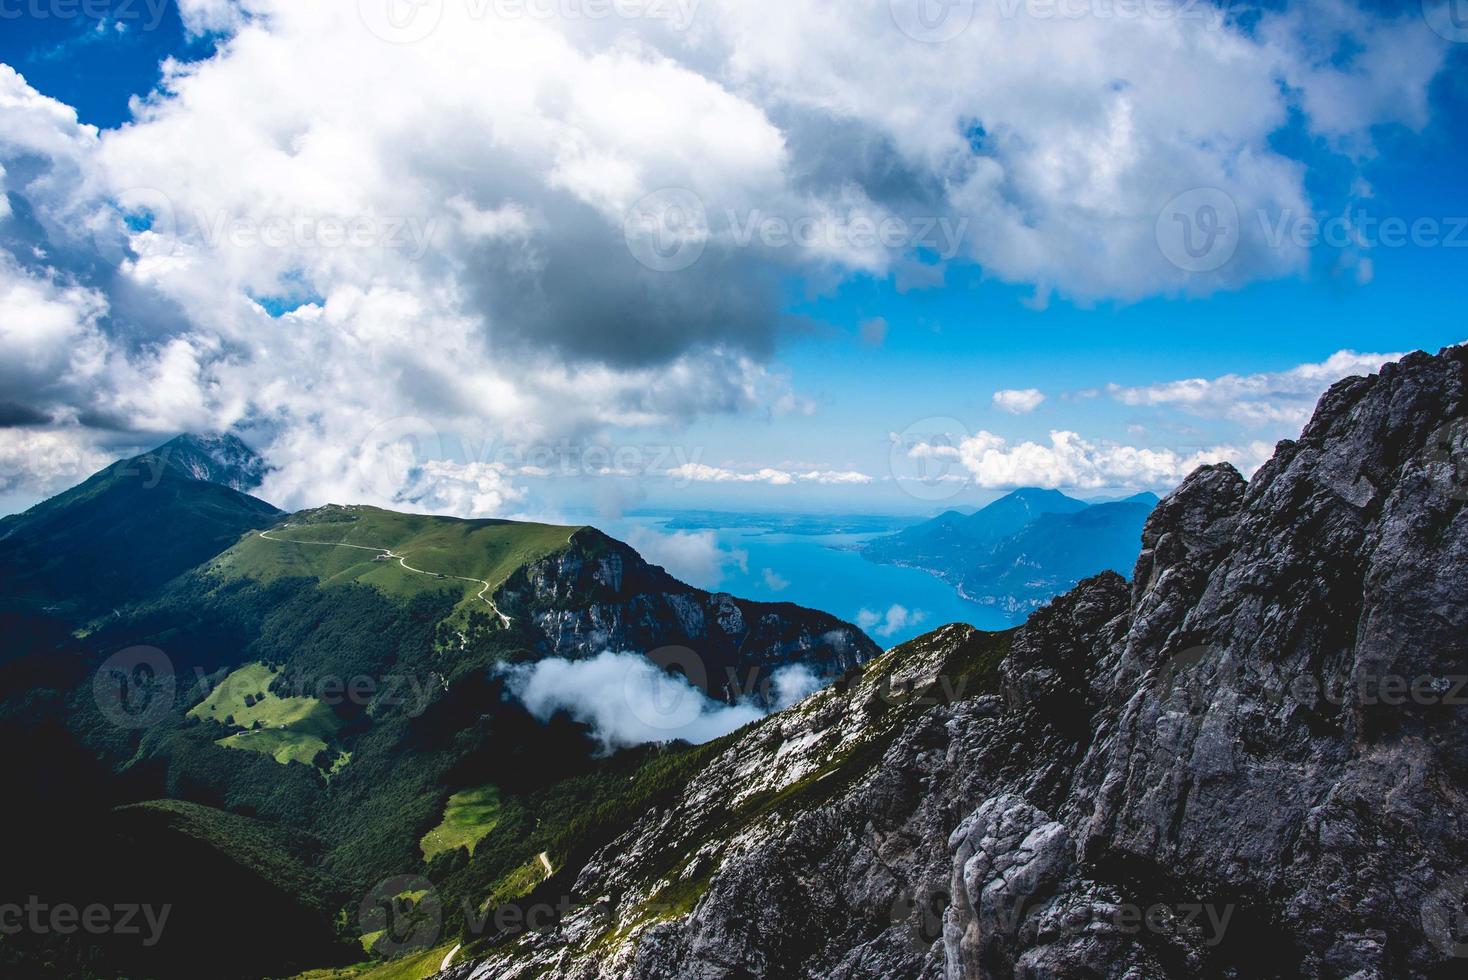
<point x="533" y="258"/>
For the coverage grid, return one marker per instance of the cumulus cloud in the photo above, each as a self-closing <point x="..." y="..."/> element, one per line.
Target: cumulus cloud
<point x="1070" y="461"/>
<point x="695" y="557"/>
<point x="1277" y="399"/>
<point x="290" y="241"/>
<point x="774" y="581"/>
<point x="45" y="461"/>
<point x="703" y="473"/>
<point x="1277" y="403"/>
<point x="1018" y="402"/>
<point x="896" y="618"/>
<point x="628" y="700"/>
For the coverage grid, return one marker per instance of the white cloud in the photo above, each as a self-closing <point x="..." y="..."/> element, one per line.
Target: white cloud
<point x="896" y="618"/>
<point x="46" y="461"/>
<point x="1070" y="461"/>
<point x="1061" y="138"/>
<point x="1018" y="402"/>
<point x="629" y="700"/>
<point x="1279" y="403"/>
<point x="459" y="244"/>
<point x="774" y="581"/>
<point x="703" y="473"/>
<point x="695" y="557"/>
<point x="1278" y="399"/>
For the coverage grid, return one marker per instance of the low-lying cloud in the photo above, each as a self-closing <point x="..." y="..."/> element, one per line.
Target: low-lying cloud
<point x="1264" y="399"/>
<point x="695" y="557"/>
<point x="1070" y="460"/>
<point x="629" y="700"/>
<point x="703" y="473"/>
<point x="897" y="617"/>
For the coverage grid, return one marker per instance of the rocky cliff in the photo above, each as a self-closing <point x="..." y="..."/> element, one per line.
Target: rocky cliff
<point x="1248" y="762"/>
<point x="599" y="594"/>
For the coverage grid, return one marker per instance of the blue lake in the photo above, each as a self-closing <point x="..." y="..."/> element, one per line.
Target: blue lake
<point x="813" y="562"/>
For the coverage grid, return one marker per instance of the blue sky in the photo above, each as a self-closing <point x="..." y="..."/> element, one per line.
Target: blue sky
<point x="775" y="376"/>
<point x="99" y="58"/>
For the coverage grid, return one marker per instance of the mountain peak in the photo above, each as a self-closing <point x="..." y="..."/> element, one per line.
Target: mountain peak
<point x="1035" y="493"/>
<point x="223" y="458"/>
<point x="1037" y="500"/>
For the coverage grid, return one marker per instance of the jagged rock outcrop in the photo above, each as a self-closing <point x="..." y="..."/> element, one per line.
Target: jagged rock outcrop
<point x="599" y="594"/>
<point x="1250" y="762"/>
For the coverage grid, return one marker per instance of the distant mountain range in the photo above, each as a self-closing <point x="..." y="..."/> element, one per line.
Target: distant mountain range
<point x="1024" y="549"/>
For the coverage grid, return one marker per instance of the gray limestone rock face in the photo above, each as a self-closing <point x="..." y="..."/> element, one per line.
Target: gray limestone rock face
<point x="1251" y="761"/>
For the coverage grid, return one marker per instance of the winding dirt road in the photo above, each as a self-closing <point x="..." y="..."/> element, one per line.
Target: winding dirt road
<point x="483" y="592"/>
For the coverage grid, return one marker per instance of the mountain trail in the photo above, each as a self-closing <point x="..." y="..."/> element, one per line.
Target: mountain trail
<point x="404" y="562"/>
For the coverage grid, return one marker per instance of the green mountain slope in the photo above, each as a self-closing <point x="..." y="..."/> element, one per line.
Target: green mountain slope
<point x="333" y="679"/>
<point x="337" y="545"/>
<point x="123" y="532"/>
